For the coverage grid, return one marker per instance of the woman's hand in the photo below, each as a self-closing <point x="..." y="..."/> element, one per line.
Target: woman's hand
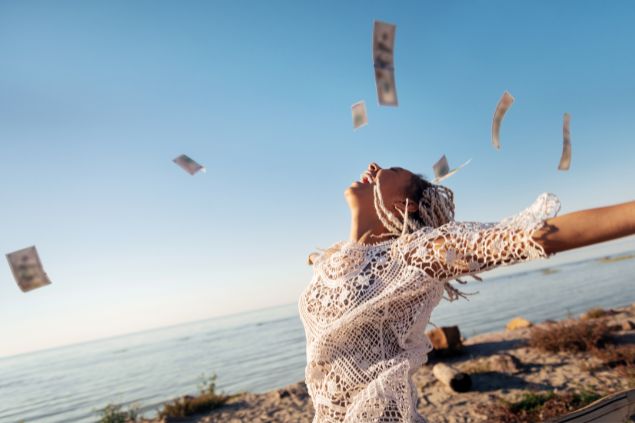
<point x="586" y="227"/>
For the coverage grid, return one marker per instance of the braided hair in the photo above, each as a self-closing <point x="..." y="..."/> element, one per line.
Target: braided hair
<point x="435" y="207"/>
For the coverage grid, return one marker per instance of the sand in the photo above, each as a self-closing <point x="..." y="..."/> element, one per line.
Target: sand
<point x="501" y="367"/>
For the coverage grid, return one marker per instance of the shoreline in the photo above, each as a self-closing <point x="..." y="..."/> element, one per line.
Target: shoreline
<point x="534" y="370"/>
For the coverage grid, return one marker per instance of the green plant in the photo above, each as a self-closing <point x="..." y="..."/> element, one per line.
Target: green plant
<point x="207" y="400"/>
<point x="115" y="413"/>
<point x="535" y="406"/>
<point x="530" y="401"/>
<point x="208" y="384"/>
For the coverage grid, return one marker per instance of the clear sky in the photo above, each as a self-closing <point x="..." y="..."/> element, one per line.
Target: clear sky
<point x="97" y="98"/>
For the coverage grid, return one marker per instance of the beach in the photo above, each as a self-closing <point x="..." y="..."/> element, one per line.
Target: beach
<point x="502" y="367"/>
<point x="262" y="351"/>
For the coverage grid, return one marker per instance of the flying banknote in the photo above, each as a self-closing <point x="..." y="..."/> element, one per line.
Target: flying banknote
<point x="565" y="159"/>
<point x="384" y="63"/>
<point x="189" y="165"/>
<point x="442" y="169"/>
<point x="27" y="269"/>
<point x="503" y="105"/>
<point x="360" y="118"/>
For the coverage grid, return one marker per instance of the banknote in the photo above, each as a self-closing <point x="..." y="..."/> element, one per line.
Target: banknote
<point x="360" y="118"/>
<point x="189" y="165"/>
<point x="565" y="159"/>
<point x="442" y="169"/>
<point x="27" y="269"/>
<point x="501" y="108"/>
<point x="384" y="63"/>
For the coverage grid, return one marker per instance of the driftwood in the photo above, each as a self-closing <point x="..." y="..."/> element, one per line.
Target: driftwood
<point x="618" y="407"/>
<point x="451" y="377"/>
<point x="446" y="340"/>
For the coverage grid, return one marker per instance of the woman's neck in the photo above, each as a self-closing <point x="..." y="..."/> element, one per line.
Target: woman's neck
<point x="366" y="230"/>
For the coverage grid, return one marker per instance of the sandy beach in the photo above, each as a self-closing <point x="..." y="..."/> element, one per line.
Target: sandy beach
<point x="502" y="365"/>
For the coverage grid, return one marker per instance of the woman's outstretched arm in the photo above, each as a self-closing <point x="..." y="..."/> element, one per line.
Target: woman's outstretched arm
<point x="586" y="227"/>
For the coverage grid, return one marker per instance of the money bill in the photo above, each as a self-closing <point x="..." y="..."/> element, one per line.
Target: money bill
<point x="503" y="105"/>
<point x="442" y="169"/>
<point x="565" y="159"/>
<point x="189" y="165"/>
<point x="383" y="61"/>
<point x="27" y="269"/>
<point x="360" y="118"/>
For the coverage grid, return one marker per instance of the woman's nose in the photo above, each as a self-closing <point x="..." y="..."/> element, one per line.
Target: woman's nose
<point x="374" y="167"/>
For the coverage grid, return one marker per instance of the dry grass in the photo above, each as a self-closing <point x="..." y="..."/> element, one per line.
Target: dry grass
<point x="188" y="406"/>
<point x="616" y="355"/>
<point x="595" y="313"/>
<point x="578" y="336"/>
<point x="207" y="400"/>
<point x="533" y="407"/>
<point x="621" y="358"/>
<point x="591" y="336"/>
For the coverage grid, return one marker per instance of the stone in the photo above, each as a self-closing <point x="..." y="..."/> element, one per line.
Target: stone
<point x="518" y="323"/>
<point x="296" y="390"/>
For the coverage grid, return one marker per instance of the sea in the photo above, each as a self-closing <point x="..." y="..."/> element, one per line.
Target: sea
<point x="263" y="350"/>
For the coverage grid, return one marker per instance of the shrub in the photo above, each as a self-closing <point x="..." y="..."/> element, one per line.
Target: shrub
<point x="595" y="313"/>
<point x="529" y="402"/>
<point x="115" y="413"/>
<point x="188" y="405"/>
<point x="533" y="407"/>
<point x="578" y="336"/>
<point x="615" y="356"/>
<point x="207" y="400"/>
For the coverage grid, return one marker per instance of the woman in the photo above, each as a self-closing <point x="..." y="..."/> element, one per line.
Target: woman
<point x="370" y="299"/>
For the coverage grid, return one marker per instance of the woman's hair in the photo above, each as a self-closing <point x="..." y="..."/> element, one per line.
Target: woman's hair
<point x="435" y="207"/>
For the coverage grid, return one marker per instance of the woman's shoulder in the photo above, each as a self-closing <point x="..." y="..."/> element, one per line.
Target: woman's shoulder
<point x="316" y="256"/>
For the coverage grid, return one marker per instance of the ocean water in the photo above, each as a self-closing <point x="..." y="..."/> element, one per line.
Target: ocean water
<point x="263" y="350"/>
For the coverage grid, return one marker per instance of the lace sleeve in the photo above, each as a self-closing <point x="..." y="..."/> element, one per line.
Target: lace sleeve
<point x="463" y="248"/>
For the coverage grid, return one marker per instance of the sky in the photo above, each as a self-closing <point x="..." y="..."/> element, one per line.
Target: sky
<point x="98" y="97"/>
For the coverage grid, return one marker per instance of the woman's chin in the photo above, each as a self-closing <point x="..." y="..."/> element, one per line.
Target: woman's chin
<point x="357" y="191"/>
<point x="354" y="188"/>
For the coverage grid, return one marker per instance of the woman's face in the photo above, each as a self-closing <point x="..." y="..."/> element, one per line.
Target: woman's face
<point x="394" y="183"/>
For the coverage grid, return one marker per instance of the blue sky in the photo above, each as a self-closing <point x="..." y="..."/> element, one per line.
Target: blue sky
<point x="97" y="98"/>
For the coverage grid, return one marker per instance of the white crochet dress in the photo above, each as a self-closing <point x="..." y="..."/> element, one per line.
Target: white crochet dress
<point x="367" y="307"/>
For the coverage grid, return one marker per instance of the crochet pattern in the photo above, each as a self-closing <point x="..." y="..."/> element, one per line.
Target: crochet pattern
<point x="366" y="309"/>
